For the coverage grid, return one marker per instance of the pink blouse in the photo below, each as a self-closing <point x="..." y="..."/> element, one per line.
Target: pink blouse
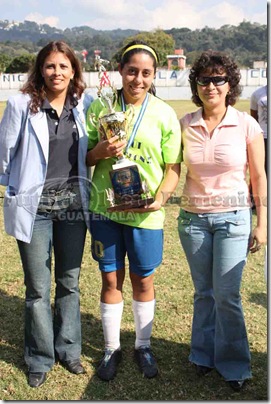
<point x="216" y="179"/>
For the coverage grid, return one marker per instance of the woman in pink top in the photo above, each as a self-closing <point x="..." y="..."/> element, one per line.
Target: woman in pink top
<point x="219" y="145"/>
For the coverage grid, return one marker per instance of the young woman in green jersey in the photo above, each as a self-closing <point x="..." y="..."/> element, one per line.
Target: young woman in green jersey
<point x="154" y="146"/>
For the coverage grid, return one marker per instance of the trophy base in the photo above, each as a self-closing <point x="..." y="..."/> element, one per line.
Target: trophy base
<point x="131" y="204"/>
<point x="122" y="163"/>
<point x="127" y="190"/>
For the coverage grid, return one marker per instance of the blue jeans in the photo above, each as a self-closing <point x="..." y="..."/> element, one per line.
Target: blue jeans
<point x="58" y="336"/>
<point x="216" y="246"/>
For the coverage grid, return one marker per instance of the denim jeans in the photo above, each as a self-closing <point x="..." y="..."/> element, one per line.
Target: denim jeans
<point x="50" y="336"/>
<point x="216" y="246"/>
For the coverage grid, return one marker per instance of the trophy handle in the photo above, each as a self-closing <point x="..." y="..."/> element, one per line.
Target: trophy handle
<point x="96" y="123"/>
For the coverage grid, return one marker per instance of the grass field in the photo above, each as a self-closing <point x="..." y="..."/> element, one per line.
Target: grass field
<point x="177" y="380"/>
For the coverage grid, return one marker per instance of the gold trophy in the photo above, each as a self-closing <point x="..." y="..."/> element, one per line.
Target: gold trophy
<point x="128" y="190"/>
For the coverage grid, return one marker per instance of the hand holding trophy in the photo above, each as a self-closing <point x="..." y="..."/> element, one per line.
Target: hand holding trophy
<point x="128" y="190"/>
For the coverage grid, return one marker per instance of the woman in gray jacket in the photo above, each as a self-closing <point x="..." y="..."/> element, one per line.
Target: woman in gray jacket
<point x="43" y="146"/>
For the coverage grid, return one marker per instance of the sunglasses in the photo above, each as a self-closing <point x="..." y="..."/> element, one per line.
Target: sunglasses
<point x="216" y="80"/>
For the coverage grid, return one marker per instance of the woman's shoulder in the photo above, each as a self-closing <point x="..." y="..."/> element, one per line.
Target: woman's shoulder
<point x="85" y="101"/>
<point x="96" y="104"/>
<point x="241" y="115"/>
<point x="19" y="99"/>
<point x="187" y="118"/>
<point x="18" y="103"/>
<point x="159" y="101"/>
<point x="243" y="119"/>
<point x="87" y="97"/>
<point x="162" y="106"/>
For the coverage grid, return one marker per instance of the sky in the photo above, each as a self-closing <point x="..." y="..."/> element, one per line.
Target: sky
<point x="143" y="15"/>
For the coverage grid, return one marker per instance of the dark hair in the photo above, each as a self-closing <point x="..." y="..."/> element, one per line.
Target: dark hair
<point x="35" y="85"/>
<point x="125" y="57"/>
<point x="219" y="63"/>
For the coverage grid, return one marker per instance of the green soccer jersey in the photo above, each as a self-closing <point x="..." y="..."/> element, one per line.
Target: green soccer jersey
<point x="157" y="142"/>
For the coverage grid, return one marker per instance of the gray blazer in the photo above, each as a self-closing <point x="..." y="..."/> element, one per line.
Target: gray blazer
<point x="24" y="148"/>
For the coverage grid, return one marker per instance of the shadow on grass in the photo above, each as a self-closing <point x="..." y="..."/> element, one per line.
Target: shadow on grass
<point x="177" y="379"/>
<point x="12" y="330"/>
<point x="129" y="384"/>
<point x="259" y="298"/>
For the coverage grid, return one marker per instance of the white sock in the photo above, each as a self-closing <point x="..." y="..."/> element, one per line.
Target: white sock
<point x="143" y="317"/>
<point x="111" y="315"/>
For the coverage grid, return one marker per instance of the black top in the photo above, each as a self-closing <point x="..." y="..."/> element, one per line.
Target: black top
<point x="62" y="168"/>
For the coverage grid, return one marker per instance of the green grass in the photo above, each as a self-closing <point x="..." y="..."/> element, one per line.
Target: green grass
<point x="171" y="332"/>
<point x="2" y="106"/>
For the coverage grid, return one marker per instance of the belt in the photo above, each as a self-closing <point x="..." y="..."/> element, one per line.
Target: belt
<point x="52" y="200"/>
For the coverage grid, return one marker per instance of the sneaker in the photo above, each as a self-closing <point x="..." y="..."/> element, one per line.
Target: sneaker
<point x="107" y="368"/>
<point x="146" y="361"/>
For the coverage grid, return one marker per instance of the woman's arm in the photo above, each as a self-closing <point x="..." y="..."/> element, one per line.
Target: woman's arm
<point x="165" y="190"/>
<point x="254" y="114"/>
<point x="169" y="183"/>
<point x="11" y="126"/>
<point x="256" y="160"/>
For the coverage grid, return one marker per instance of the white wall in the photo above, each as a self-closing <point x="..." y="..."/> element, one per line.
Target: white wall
<point x="170" y="84"/>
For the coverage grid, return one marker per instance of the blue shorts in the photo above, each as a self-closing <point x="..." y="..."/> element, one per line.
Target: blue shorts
<point x="110" y="241"/>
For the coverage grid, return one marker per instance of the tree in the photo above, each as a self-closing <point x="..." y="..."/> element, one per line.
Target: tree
<point x="247" y="42"/>
<point x="163" y="44"/>
<point x="21" y="64"/>
<point x="4" y="62"/>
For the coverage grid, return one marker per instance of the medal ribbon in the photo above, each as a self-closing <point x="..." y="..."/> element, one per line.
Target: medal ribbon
<point x="139" y="118"/>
